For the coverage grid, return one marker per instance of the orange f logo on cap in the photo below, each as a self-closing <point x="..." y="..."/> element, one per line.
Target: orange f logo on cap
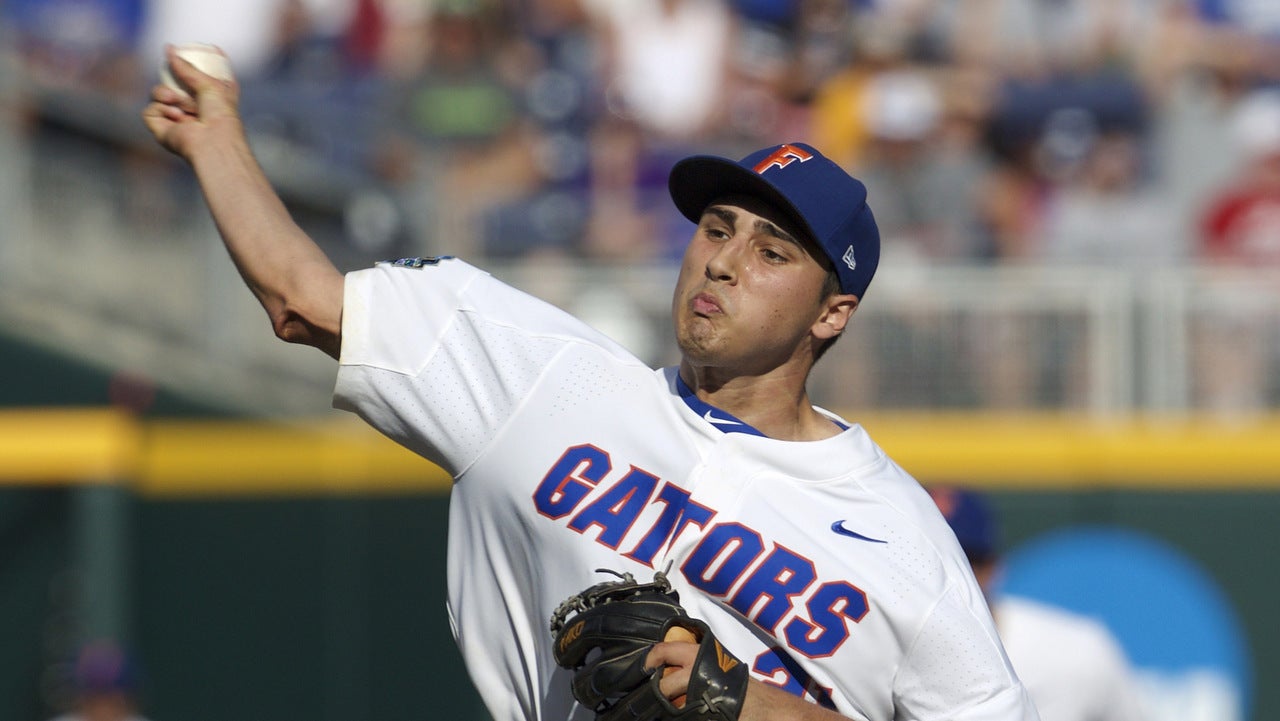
<point x="782" y="157"/>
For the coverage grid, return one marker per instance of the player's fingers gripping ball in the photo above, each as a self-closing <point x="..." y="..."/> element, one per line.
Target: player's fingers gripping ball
<point x="208" y="59"/>
<point x="604" y="635"/>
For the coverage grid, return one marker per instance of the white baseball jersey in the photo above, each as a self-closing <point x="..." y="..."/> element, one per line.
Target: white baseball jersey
<point x="822" y="565"/>
<point x="1072" y="666"/>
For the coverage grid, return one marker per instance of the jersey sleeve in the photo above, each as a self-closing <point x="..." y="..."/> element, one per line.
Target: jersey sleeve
<point x="438" y="358"/>
<point x="957" y="669"/>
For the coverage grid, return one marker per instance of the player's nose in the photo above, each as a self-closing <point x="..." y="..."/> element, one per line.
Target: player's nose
<point x="724" y="262"/>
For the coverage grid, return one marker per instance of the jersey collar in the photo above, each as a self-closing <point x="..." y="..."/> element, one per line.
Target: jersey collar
<point x="725" y="421"/>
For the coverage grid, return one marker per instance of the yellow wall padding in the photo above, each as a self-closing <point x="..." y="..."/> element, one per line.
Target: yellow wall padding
<point x="162" y="458"/>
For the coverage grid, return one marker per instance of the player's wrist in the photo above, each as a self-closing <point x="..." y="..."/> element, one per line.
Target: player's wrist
<point x="763" y="702"/>
<point x="223" y="138"/>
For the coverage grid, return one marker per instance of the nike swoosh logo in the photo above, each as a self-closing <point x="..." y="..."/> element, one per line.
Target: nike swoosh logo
<point x="719" y="421"/>
<point x="838" y="527"/>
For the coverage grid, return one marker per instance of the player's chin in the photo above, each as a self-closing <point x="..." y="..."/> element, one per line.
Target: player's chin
<point x="698" y="340"/>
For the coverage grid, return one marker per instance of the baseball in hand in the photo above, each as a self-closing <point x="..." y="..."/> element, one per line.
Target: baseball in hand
<point x="208" y="59"/>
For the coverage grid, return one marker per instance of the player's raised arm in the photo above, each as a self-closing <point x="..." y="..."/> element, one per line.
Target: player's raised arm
<point x="290" y="275"/>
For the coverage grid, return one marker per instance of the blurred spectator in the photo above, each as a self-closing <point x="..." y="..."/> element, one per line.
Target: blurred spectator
<point x="1236" y="342"/>
<point x="1196" y="80"/>
<point x="90" y="44"/>
<point x="1072" y="665"/>
<point x="921" y="170"/>
<point x="1042" y="131"/>
<point x="841" y="101"/>
<point x="810" y="39"/>
<point x="106" y="685"/>
<point x="312" y="92"/>
<point x="81" y="74"/>
<point x="1064" y="72"/>
<point x="1256" y="17"/>
<point x="456" y="142"/>
<point x="1107" y="214"/>
<point x="784" y="50"/>
<point x="1038" y="39"/>
<point x="459" y="96"/>
<point x="1105" y="217"/>
<point x="560" y="55"/>
<point x="630" y="218"/>
<point x="1011" y="207"/>
<point x="923" y="186"/>
<point x="305" y="51"/>
<point x="364" y="36"/>
<point x="1012" y="200"/>
<point x="1241" y="225"/>
<point x="666" y="63"/>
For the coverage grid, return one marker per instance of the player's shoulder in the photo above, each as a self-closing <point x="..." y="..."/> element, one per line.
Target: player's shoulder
<point x="428" y="268"/>
<point x="417" y="262"/>
<point x="411" y="277"/>
<point x="434" y="284"/>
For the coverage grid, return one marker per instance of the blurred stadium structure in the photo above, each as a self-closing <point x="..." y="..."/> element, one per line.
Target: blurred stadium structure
<point x="162" y="299"/>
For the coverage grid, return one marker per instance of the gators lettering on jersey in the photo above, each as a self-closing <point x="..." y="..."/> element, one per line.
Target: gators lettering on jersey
<point x="771" y="581"/>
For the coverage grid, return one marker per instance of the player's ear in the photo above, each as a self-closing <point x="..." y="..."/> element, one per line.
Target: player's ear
<point x="836" y="312"/>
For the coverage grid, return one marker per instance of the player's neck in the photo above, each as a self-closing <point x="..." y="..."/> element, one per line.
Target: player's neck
<point x="775" y="404"/>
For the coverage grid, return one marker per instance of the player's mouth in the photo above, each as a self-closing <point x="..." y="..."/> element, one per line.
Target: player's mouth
<point x="705" y="304"/>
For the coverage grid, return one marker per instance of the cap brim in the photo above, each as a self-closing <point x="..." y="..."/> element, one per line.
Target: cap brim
<point x="698" y="181"/>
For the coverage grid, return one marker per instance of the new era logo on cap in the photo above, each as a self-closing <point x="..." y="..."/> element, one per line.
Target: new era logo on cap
<point x="797" y="179"/>
<point x="849" y="259"/>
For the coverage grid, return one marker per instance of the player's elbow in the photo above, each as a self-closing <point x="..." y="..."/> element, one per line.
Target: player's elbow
<point x="289" y="327"/>
<point x="293" y="327"/>
<point x="311" y="317"/>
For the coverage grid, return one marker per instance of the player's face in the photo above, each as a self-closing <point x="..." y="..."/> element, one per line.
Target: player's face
<point x="750" y="294"/>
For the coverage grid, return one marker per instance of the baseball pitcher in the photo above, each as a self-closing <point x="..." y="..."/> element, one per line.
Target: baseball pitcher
<point x="698" y="541"/>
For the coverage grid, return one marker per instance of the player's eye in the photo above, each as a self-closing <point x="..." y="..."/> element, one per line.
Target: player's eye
<point x="716" y="232"/>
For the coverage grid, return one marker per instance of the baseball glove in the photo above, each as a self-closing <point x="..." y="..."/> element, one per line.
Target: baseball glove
<point x="603" y="635"/>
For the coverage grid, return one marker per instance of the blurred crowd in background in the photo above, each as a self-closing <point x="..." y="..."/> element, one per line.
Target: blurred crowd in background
<point x="1119" y="132"/>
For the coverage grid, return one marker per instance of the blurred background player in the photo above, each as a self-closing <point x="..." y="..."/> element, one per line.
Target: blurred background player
<point x="105" y="679"/>
<point x="1071" y="665"/>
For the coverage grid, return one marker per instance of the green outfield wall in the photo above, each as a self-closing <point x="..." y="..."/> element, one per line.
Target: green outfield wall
<point x="268" y="571"/>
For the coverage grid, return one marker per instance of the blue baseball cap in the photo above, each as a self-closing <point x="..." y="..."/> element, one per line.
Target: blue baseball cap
<point x="970" y="518"/>
<point x="822" y="199"/>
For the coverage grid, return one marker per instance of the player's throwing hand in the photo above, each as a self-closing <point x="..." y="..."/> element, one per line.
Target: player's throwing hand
<point x="178" y="120"/>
